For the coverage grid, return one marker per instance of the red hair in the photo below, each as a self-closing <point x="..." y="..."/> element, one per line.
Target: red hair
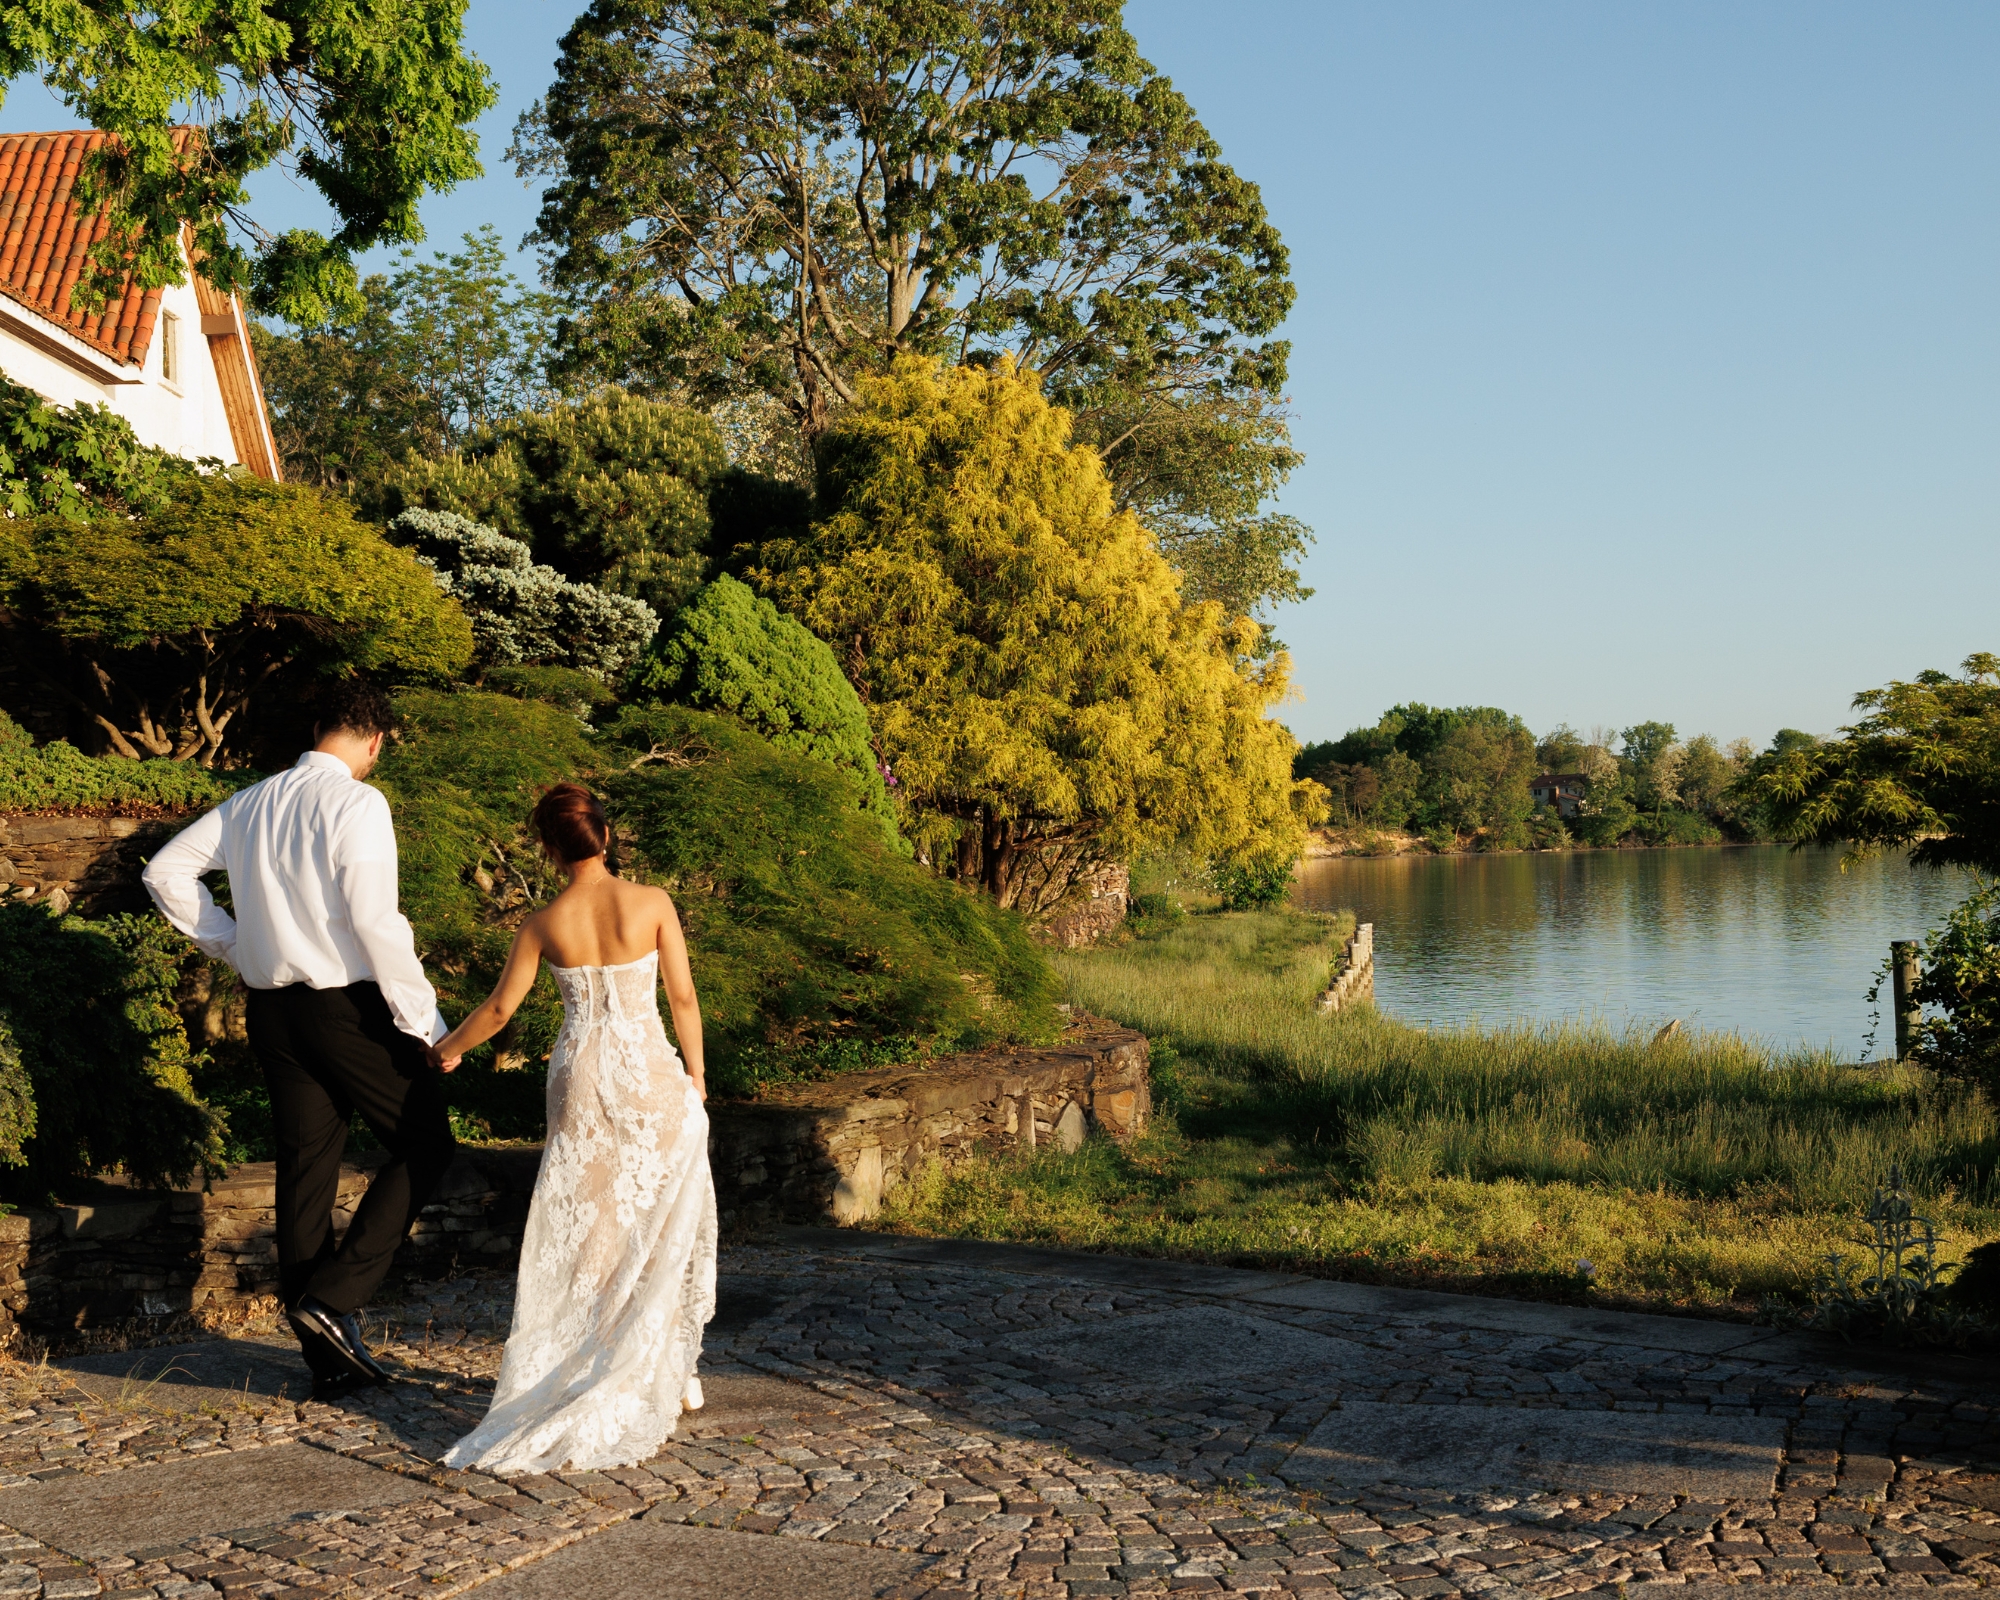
<point x="571" y="823"/>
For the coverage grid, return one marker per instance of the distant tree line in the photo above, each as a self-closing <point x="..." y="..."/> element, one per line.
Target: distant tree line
<point x="1463" y="777"/>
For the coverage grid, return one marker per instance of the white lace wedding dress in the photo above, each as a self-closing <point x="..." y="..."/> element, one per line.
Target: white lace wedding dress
<point x="618" y="1260"/>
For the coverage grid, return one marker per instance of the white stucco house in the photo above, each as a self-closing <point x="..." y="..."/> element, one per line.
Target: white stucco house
<point x="174" y="362"/>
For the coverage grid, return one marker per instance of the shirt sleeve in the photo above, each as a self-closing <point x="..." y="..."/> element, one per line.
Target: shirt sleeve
<point x="173" y="879"/>
<point x="365" y="872"/>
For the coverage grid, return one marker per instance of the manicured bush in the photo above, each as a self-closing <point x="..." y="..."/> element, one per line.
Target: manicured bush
<point x="163" y="630"/>
<point x="579" y="693"/>
<point x="59" y="777"/>
<point x="524" y="614"/>
<point x="17" y="1100"/>
<point x="807" y="927"/>
<point x="106" y="1060"/>
<point x="730" y="651"/>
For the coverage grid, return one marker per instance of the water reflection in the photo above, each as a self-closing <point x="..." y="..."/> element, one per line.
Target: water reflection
<point x="1763" y="940"/>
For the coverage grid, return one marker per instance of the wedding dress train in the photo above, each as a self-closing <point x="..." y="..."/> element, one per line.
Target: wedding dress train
<point x="618" y="1258"/>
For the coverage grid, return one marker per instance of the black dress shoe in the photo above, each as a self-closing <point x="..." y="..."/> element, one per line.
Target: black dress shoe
<point x="337" y="1334"/>
<point x="337" y="1386"/>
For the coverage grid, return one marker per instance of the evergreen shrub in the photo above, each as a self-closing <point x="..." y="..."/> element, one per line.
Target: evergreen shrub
<point x="582" y="694"/>
<point x="522" y="613"/>
<point x="611" y="490"/>
<point x="109" y="1080"/>
<point x="807" y="928"/>
<point x="59" y="777"/>
<point x="461" y="783"/>
<point x="17" y="1100"/>
<point x="730" y="651"/>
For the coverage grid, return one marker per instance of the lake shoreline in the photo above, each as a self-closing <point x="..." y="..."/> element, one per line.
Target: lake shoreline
<point x="1332" y="844"/>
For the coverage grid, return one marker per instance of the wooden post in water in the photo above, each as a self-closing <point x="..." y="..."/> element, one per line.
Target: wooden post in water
<point x="1903" y="979"/>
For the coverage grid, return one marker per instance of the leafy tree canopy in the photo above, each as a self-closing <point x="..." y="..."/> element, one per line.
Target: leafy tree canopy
<point x="158" y="631"/>
<point x="612" y="490"/>
<point x="422" y="360"/>
<point x="371" y="103"/>
<point x="1037" y="685"/>
<point x="1920" y="770"/>
<point x="731" y="651"/>
<point x="779" y="200"/>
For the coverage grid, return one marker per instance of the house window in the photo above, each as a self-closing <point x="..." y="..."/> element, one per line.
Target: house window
<point x="170" y="353"/>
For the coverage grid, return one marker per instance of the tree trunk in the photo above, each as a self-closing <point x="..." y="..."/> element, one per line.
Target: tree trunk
<point x="999" y="843"/>
<point x="967" y="867"/>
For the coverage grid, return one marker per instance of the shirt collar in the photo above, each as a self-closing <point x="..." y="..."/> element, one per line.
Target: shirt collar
<point x="322" y="761"/>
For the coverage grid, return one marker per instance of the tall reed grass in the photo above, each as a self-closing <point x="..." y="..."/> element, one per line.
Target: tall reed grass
<point x="1707" y="1114"/>
<point x="1550" y="1161"/>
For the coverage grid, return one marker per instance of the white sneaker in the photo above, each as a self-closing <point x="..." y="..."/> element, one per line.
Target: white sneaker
<point x="692" y="1400"/>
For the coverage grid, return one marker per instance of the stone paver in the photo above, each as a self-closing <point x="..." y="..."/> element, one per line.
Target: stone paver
<point x="1015" y="1427"/>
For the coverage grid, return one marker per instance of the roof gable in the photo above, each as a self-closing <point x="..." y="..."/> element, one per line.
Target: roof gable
<point x="45" y="244"/>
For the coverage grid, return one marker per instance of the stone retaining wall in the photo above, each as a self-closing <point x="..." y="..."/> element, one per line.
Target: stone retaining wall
<point x="121" y="1252"/>
<point x="1356" y="979"/>
<point x="832" y="1151"/>
<point x="92" y="863"/>
<point x="821" y="1152"/>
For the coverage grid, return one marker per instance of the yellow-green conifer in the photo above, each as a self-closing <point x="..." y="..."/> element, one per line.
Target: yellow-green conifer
<point x="1039" y="689"/>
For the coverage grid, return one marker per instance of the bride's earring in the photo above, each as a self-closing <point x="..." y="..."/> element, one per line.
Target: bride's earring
<point x="692" y="1400"/>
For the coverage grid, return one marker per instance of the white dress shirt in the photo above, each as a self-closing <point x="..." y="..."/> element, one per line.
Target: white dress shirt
<point x="311" y="858"/>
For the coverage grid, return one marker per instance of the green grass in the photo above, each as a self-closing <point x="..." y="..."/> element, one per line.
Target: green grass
<point x="1702" y="1171"/>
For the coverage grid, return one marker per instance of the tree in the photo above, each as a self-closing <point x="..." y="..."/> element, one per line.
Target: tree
<point x="477" y="338"/>
<point x="372" y="105"/>
<point x="1651" y="755"/>
<point x="344" y="407"/>
<point x="1561" y="749"/>
<point x="427" y="358"/>
<point x="1705" y="776"/>
<point x="158" y="631"/>
<point x="612" y="490"/>
<point x="1198" y="470"/>
<point x="1446" y="772"/>
<point x="782" y="199"/>
<point x="731" y="651"/>
<point x="1920" y="771"/>
<point x="1041" y="692"/>
<point x="76" y="462"/>
<point x="523" y="614"/>
<point x="1958" y="987"/>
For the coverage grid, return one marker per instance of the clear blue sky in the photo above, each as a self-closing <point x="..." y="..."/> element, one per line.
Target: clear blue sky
<point x="1646" y="357"/>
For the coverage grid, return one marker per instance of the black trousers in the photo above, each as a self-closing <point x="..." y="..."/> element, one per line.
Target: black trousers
<point x="326" y="1054"/>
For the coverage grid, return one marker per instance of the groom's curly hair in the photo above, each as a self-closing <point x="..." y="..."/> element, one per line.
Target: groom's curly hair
<point x="356" y="706"/>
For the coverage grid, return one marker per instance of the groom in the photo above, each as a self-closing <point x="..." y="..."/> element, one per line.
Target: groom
<point x="340" y="1013"/>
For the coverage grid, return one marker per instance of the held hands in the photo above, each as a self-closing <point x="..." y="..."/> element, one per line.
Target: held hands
<point x="440" y="1060"/>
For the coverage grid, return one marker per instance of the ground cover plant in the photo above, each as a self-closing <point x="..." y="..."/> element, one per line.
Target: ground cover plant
<point x="1554" y="1161"/>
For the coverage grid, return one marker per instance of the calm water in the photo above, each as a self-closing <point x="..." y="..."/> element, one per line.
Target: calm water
<point x="1760" y="940"/>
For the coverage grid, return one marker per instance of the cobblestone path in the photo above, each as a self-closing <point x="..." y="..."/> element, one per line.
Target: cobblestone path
<point x="1032" y="1426"/>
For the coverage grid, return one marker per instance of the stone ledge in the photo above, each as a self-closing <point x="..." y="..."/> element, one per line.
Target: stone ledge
<point x="833" y="1151"/>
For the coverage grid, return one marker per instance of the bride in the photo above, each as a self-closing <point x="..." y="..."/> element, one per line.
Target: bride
<point x="618" y="1259"/>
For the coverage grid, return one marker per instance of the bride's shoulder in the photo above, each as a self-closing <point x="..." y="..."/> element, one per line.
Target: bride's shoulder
<point x="642" y="894"/>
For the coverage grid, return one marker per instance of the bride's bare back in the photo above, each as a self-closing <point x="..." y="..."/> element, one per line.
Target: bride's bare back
<point x="602" y="921"/>
<point x="598" y="921"/>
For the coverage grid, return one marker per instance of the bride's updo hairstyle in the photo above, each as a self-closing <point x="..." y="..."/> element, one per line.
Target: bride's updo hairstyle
<point x="571" y="823"/>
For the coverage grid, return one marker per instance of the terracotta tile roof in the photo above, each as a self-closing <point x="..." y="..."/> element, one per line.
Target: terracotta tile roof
<point x="45" y="244"/>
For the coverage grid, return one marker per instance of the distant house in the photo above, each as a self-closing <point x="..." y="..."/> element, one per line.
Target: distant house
<point x="1564" y="791"/>
<point x="174" y="362"/>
